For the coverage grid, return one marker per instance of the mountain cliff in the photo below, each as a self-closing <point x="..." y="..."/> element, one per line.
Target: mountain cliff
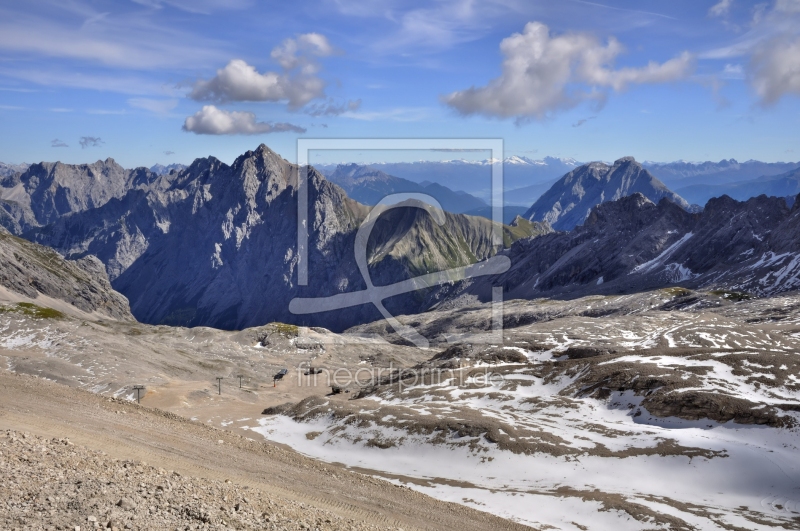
<point x="570" y="200"/>
<point x="46" y="191"/>
<point x="633" y="244"/>
<point x="217" y="245"/>
<point x="30" y="271"/>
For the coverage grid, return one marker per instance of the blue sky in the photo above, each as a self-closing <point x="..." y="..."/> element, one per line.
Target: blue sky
<point x="149" y="81"/>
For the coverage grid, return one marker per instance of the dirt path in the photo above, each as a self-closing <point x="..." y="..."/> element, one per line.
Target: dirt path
<point x="127" y="431"/>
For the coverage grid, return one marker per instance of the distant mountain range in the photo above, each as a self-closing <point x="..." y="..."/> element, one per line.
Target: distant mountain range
<point x="680" y="174"/>
<point x="474" y="177"/>
<point x="160" y="169"/>
<point x="6" y="170"/>
<point x="368" y="186"/>
<point x="571" y="199"/>
<point x="785" y="185"/>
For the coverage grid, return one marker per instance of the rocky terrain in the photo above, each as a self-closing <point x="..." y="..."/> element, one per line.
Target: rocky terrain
<point x="71" y="459"/>
<point x="7" y="170"/>
<point x="206" y="245"/>
<point x="632" y="245"/>
<point x="44" y="192"/>
<point x="54" y="484"/>
<point x="571" y="199"/>
<point x="33" y="273"/>
<point x="697" y="388"/>
<point x="160" y="169"/>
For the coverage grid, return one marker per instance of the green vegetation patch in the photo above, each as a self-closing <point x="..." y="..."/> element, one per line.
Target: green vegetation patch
<point x="31" y="310"/>
<point x="286" y="330"/>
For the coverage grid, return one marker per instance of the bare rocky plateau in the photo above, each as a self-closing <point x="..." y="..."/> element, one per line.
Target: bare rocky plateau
<point x="671" y="379"/>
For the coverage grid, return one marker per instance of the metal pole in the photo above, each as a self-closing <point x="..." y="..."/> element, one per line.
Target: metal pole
<point x="138" y="396"/>
<point x="219" y="383"/>
<point x="240" y="380"/>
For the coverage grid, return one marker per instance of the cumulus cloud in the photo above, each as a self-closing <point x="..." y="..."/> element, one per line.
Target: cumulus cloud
<point x="297" y="84"/>
<point x="213" y="121"/>
<point x="331" y="108"/>
<point x="774" y="69"/>
<point x="542" y="73"/>
<point x="294" y="53"/>
<point x="91" y="141"/>
<point x="58" y="143"/>
<point x="720" y="9"/>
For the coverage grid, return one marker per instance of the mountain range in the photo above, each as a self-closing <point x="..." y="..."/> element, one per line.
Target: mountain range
<point x="571" y="199"/>
<point x="160" y="169"/>
<point x="368" y="186"/>
<point x="475" y="176"/>
<point x="680" y="174"/>
<point x="632" y="244"/>
<point x="216" y="244"/>
<point x="784" y="185"/>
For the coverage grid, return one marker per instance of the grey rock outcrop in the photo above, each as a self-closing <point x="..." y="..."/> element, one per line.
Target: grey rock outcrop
<point x="633" y="244"/>
<point x="46" y="191"/>
<point x="30" y="269"/>
<point x="570" y="200"/>
<point x="216" y="245"/>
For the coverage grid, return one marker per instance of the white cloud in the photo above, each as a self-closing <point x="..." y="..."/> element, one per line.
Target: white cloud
<point x="787" y="6"/>
<point x="239" y="81"/>
<point x="204" y="7"/>
<point x="733" y="71"/>
<point x="293" y="53"/>
<point x="399" y="114"/>
<point x="73" y="30"/>
<point x="213" y="121"/>
<point x="770" y="51"/>
<point x="330" y="108"/>
<point x="58" y="143"/>
<point x="298" y="84"/>
<point x="153" y="105"/>
<point x="774" y="69"/>
<point x="543" y="73"/>
<point x="720" y="9"/>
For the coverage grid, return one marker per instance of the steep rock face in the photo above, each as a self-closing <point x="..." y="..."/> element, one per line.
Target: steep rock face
<point x="217" y="245"/>
<point x="30" y="269"/>
<point x="633" y="244"/>
<point x="570" y="200"/>
<point x="48" y="190"/>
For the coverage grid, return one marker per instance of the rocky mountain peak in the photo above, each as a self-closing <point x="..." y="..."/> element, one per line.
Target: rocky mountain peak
<point x="626" y="160"/>
<point x="571" y="199"/>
